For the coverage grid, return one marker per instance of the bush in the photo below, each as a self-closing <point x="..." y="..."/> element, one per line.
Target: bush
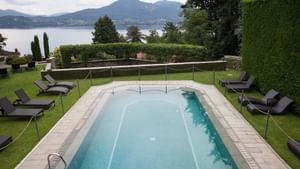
<point x="14" y="59"/>
<point x="271" y="45"/>
<point x="160" y="52"/>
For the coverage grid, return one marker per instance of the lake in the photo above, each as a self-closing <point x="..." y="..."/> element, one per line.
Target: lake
<point x="21" y="38"/>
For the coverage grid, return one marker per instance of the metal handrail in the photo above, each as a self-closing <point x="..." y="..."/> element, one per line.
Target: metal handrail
<point x="58" y="155"/>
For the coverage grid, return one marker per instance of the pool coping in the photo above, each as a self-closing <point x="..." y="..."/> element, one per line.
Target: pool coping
<point x="230" y="124"/>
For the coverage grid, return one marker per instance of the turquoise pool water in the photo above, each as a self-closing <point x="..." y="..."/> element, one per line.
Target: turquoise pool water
<point x="152" y="130"/>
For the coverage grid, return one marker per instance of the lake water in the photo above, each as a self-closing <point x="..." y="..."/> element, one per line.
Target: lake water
<point x="21" y="38"/>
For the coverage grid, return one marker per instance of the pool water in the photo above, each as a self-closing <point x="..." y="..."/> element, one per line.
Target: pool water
<point x="152" y="130"/>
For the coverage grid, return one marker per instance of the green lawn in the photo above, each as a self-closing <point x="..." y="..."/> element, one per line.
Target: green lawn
<point x="12" y="155"/>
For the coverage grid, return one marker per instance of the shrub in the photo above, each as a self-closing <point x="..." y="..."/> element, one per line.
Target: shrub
<point x="160" y="52"/>
<point x="271" y="45"/>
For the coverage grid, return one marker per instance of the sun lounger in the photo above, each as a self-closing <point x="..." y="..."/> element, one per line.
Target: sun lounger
<point x="8" y="110"/>
<point x="243" y="77"/>
<point x="294" y="146"/>
<point x="24" y="100"/>
<point x="51" y="90"/>
<point x="53" y="82"/>
<point x="278" y="108"/>
<point x="4" y="141"/>
<point x="268" y="99"/>
<point x="245" y="86"/>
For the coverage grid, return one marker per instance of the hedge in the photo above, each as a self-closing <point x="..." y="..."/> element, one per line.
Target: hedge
<point x="159" y="52"/>
<point x="271" y="45"/>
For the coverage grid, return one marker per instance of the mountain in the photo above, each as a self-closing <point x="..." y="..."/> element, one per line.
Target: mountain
<point x="122" y="12"/>
<point x="9" y="12"/>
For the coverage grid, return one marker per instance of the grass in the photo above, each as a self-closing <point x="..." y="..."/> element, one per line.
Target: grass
<point x="12" y="155"/>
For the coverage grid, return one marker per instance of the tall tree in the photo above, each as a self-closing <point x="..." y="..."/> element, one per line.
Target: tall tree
<point x="2" y="41"/>
<point x="33" y="51"/>
<point x="198" y="29"/>
<point x="134" y="34"/>
<point x="224" y="17"/>
<point x="105" y="31"/>
<point x="153" y="36"/>
<point x="46" y="45"/>
<point x="37" y="49"/>
<point x="171" y="33"/>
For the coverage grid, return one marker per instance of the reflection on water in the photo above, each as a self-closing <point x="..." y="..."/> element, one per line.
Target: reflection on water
<point x="201" y="119"/>
<point x="21" y="38"/>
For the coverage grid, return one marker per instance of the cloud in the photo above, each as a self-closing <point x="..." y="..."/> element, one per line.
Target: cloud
<point x="95" y="2"/>
<point x="22" y="2"/>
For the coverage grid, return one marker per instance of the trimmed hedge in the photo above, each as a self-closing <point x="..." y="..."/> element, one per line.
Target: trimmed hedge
<point x="271" y="45"/>
<point x="159" y="52"/>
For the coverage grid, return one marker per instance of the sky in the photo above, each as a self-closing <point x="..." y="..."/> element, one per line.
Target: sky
<point x="48" y="7"/>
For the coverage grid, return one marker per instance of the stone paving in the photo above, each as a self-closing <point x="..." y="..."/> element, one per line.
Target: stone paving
<point x="255" y="151"/>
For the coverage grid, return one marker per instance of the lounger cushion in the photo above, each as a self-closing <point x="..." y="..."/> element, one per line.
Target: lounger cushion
<point x="25" y="113"/>
<point x="253" y="108"/>
<point x="5" y="140"/>
<point x="294" y="146"/>
<point x="224" y="82"/>
<point x="69" y="85"/>
<point x="38" y="102"/>
<point x="58" y="89"/>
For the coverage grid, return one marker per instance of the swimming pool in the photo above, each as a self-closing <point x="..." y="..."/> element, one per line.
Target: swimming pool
<point x="156" y="128"/>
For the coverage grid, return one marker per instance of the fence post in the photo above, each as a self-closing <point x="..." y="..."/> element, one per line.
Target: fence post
<point x="111" y="73"/>
<point x="267" y="124"/>
<point x="78" y="88"/>
<point x="37" y="128"/>
<point x="139" y="72"/>
<point x="214" y="76"/>
<point x="91" y="80"/>
<point x="193" y="72"/>
<point x="241" y="105"/>
<point x="166" y="72"/>
<point x="62" y="103"/>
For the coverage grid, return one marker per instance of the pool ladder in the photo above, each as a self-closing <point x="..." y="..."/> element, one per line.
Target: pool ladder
<point x="57" y="155"/>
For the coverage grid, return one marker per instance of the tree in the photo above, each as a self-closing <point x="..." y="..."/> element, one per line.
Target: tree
<point x="33" y="50"/>
<point x="134" y="34"/>
<point x="224" y="18"/>
<point x="2" y="41"/>
<point x="105" y="31"/>
<point x="198" y="29"/>
<point x="46" y="45"/>
<point x="37" y="49"/>
<point x="171" y="33"/>
<point x="153" y="36"/>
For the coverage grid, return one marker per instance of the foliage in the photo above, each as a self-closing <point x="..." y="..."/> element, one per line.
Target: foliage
<point x="271" y="45"/>
<point x="105" y="31"/>
<point x="159" y="52"/>
<point x="134" y="34"/>
<point x="37" y="50"/>
<point x="33" y="50"/>
<point x="153" y="36"/>
<point x="197" y="27"/>
<point x="171" y="33"/>
<point x="2" y="41"/>
<point x="46" y="45"/>
<point x="224" y="19"/>
<point x="15" y="59"/>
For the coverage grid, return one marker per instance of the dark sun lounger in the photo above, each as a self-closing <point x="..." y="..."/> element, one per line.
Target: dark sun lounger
<point x="278" y="108"/>
<point x="294" y="146"/>
<point x="269" y="98"/>
<point x="242" y="78"/>
<point x="24" y="100"/>
<point x="241" y="87"/>
<point x="8" y="110"/>
<point x="53" y="82"/>
<point x="51" y="90"/>
<point x="4" y="141"/>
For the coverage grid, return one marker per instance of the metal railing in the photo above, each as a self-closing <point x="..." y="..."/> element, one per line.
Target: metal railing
<point x="57" y="155"/>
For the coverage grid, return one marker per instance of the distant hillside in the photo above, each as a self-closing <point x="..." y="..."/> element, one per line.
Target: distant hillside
<point x="123" y="13"/>
<point x="9" y="12"/>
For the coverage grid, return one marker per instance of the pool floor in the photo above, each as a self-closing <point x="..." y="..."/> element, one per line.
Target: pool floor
<point x="152" y="130"/>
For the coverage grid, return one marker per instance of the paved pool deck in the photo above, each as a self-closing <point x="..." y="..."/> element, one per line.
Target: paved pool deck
<point x="251" y="150"/>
